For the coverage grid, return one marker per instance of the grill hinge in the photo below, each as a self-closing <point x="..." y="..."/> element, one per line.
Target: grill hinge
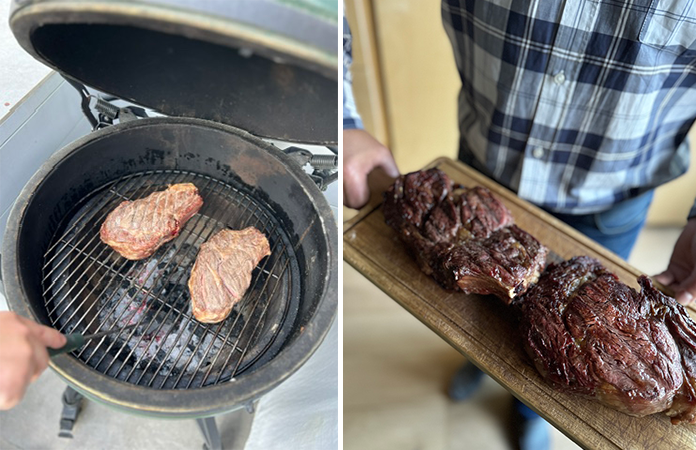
<point x="325" y="167"/>
<point x="107" y="112"/>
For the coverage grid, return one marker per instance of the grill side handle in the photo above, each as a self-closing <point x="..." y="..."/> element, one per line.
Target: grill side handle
<point x="324" y="167"/>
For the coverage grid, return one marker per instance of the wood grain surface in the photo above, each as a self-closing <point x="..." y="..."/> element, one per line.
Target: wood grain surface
<point x="485" y="330"/>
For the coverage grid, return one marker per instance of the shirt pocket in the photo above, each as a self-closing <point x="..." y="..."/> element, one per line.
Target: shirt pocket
<point x="670" y="25"/>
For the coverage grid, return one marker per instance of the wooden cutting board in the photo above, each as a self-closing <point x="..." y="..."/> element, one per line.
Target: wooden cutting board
<point x="484" y="330"/>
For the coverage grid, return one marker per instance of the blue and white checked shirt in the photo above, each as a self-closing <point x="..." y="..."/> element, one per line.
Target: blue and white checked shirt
<point x="351" y="118"/>
<point x="574" y="105"/>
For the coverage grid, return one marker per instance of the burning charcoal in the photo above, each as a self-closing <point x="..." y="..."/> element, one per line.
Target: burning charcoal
<point x="174" y="291"/>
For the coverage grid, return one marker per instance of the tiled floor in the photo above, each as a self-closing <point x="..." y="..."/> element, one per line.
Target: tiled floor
<point x="396" y="371"/>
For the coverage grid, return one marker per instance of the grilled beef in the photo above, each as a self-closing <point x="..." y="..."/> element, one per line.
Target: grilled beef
<point x="464" y="238"/>
<point x="589" y="333"/>
<point x="136" y="229"/>
<point x="222" y="272"/>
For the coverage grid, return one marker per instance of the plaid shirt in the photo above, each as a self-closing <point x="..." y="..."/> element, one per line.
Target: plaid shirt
<point x="575" y="105"/>
<point x="351" y="118"/>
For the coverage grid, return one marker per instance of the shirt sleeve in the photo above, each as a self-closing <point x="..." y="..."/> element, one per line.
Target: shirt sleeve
<point x="351" y="118"/>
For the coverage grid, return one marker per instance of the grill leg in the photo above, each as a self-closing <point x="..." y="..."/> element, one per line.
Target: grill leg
<point x="210" y="433"/>
<point x="72" y="404"/>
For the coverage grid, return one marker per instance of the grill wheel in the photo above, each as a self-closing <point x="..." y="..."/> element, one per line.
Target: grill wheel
<point x="87" y="288"/>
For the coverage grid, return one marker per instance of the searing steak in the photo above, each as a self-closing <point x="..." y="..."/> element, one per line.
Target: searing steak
<point x="464" y="238"/>
<point x="222" y="272"/>
<point x="591" y="334"/>
<point x="136" y="229"/>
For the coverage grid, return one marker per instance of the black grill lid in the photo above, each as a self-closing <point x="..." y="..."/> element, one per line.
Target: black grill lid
<point x="266" y="66"/>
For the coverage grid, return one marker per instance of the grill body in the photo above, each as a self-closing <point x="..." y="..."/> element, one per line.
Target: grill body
<point x="54" y="272"/>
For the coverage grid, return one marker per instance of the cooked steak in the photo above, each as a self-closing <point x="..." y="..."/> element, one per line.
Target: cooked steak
<point x="136" y="229"/>
<point x="683" y="330"/>
<point x="222" y="272"/>
<point x="464" y="238"/>
<point x="591" y="334"/>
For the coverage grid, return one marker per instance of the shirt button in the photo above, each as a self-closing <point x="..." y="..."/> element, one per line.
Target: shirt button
<point x="559" y="78"/>
<point x="538" y="152"/>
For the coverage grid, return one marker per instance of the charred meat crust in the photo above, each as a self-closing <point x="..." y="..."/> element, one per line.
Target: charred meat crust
<point x="591" y="334"/>
<point x="464" y="238"/>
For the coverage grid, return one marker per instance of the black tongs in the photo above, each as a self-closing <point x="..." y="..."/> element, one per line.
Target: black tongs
<point x="77" y="340"/>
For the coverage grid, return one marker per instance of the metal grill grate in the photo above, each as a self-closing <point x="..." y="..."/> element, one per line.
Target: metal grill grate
<point x="89" y="288"/>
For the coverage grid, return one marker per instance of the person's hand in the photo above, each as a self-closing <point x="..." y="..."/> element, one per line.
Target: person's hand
<point x="361" y="155"/>
<point x="681" y="272"/>
<point x="23" y="355"/>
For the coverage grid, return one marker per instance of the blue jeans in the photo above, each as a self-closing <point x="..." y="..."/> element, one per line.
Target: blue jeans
<point x="616" y="229"/>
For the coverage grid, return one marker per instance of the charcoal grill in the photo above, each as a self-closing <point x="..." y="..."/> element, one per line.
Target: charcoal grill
<point x="223" y="76"/>
<point x="56" y="269"/>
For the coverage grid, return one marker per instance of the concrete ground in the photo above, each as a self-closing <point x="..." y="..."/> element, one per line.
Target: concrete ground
<point x="33" y="425"/>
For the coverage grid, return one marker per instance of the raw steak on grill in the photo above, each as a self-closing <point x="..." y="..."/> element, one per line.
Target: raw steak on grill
<point x="136" y="229"/>
<point x="464" y="238"/>
<point x="222" y="272"/>
<point x="591" y="334"/>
